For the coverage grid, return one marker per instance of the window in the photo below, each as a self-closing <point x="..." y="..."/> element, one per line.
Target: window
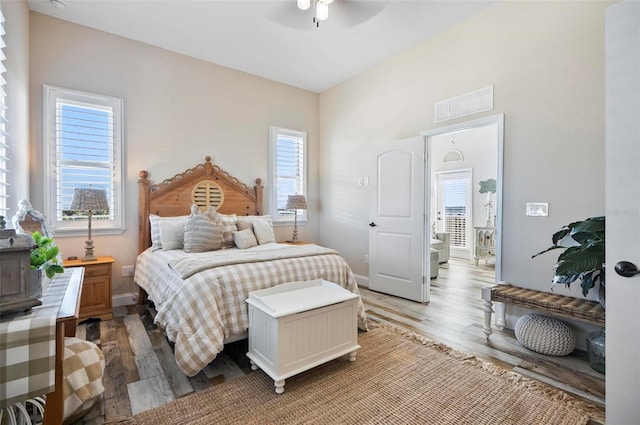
<point x="4" y="145"/>
<point x="454" y="205"/>
<point x="287" y="171"/>
<point x="83" y="149"/>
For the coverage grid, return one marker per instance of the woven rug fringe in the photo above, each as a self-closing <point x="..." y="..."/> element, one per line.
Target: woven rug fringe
<point x="514" y="378"/>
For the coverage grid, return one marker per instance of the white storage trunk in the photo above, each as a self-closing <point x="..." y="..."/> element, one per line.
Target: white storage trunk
<point x="296" y="326"/>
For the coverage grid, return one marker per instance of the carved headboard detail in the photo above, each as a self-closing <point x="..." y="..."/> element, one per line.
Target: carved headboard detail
<point x="173" y="196"/>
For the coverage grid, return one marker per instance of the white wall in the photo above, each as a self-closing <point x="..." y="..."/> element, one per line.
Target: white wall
<point x="546" y="63"/>
<point x="17" y="75"/>
<point x="177" y="111"/>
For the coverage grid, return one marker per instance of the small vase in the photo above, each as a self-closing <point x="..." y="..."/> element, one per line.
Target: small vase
<point x="596" y="350"/>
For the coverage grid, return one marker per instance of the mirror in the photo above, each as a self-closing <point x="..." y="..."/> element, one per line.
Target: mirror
<point x="28" y="220"/>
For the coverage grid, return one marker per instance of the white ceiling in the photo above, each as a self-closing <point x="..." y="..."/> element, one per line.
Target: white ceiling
<point x="273" y="39"/>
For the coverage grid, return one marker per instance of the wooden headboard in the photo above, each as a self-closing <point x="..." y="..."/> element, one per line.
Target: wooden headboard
<point x="208" y="182"/>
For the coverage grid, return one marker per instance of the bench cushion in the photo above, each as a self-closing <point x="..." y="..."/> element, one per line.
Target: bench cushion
<point x="569" y="307"/>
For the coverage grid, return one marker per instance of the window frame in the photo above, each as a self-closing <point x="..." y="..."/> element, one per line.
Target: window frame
<point x="5" y="175"/>
<point x="115" y="225"/>
<point x="274" y="133"/>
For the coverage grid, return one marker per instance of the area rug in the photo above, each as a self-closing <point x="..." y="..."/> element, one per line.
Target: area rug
<point x="398" y="378"/>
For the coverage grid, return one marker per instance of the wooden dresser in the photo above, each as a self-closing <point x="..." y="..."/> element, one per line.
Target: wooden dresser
<point x="96" y="287"/>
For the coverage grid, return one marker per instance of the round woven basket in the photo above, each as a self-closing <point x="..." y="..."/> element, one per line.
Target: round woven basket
<point x="545" y="335"/>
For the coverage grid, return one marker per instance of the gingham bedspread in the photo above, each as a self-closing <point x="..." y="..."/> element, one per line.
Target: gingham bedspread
<point x="200" y="312"/>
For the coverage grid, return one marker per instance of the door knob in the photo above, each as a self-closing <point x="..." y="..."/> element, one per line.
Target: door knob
<point x="626" y="269"/>
<point x="372" y="224"/>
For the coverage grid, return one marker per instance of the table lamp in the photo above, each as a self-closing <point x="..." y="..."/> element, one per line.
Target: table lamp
<point x="296" y="202"/>
<point x="89" y="200"/>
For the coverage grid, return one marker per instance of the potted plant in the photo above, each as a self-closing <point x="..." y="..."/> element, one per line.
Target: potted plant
<point x="44" y="257"/>
<point x="583" y="260"/>
<point x="583" y="256"/>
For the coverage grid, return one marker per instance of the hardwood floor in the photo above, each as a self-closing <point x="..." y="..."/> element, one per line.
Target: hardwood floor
<point x="141" y="372"/>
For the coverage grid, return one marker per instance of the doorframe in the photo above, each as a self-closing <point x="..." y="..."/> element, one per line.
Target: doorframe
<point x="498" y="121"/>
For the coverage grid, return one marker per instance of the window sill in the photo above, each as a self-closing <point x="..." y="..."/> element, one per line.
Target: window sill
<point x="68" y="233"/>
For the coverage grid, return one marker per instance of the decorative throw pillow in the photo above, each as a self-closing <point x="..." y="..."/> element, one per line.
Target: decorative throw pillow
<point x="156" y="242"/>
<point x="202" y="231"/>
<point x="244" y="238"/>
<point x="172" y="234"/>
<point x="246" y="221"/>
<point x="263" y="231"/>
<point x="229" y="224"/>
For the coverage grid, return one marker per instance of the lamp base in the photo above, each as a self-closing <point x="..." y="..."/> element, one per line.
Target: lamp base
<point x="88" y="251"/>
<point x="294" y="238"/>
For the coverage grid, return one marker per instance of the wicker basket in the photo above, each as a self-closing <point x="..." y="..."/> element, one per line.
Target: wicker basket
<point x="545" y="335"/>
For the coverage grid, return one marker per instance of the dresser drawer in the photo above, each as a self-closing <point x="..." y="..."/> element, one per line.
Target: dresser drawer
<point x="97" y="270"/>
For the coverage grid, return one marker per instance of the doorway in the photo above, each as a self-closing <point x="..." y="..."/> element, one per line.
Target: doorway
<point x="464" y="188"/>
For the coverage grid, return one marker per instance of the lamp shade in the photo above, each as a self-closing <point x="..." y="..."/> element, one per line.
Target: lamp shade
<point x="296" y="202"/>
<point x="89" y="200"/>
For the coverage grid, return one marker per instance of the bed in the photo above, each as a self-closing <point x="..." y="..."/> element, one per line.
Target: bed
<point x="200" y="295"/>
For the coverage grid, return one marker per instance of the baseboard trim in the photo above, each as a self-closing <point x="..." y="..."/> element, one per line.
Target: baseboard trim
<point x="123" y="299"/>
<point x="362" y="280"/>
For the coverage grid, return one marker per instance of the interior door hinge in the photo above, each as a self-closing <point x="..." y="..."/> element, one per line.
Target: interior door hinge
<point x="424" y="156"/>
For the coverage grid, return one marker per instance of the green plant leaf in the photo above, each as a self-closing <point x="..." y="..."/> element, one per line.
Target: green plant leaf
<point x="52" y="252"/>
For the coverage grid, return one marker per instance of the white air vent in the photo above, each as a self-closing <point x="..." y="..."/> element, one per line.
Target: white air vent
<point x="466" y="104"/>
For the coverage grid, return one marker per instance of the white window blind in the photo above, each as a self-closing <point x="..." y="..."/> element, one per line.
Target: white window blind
<point x="4" y="143"/>
<point x="84" y="144"/>
<point x="455" y="210"/>
<point x="288" y="169"/>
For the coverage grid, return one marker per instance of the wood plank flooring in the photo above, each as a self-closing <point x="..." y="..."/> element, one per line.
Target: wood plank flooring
<point x="141" y="372"/>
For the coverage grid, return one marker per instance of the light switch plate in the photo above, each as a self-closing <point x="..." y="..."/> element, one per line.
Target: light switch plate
<point x="537" y="209"/>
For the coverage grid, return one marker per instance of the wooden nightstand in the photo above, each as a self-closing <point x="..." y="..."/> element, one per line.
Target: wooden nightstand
<point x="96" y="287"/>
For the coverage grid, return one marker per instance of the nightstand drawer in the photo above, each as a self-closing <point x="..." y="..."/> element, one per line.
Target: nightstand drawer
<point x="97" y="270"/>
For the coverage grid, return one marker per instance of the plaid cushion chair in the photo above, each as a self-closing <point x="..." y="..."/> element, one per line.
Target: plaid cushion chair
<point x="82" y="368"/>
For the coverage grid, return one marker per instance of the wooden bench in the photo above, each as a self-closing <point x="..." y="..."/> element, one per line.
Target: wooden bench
<point x="572" y="308"/>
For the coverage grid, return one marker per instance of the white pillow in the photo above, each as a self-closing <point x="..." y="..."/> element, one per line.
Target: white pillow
<point x="172" y="234"/>
<point x="156" y="242"/>
<point x="263" y="231"/>
<point x="245" y="221"/>
<point x="244" y="239"/>
<point x="203" y="231"/>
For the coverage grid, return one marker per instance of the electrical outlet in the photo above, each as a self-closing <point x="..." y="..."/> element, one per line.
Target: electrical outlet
<point x="127" y="271"/>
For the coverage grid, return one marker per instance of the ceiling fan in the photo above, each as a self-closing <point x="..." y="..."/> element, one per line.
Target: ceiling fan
<point x="307" y="15"/>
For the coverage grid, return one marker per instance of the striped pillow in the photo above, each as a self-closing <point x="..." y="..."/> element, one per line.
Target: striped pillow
<point x="229" y="224"/>
<point x="203" y="231"/>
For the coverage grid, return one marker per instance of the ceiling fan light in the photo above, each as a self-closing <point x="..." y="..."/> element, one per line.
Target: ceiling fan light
<point x="304" y="4"/>
<point x="322" y="11"/>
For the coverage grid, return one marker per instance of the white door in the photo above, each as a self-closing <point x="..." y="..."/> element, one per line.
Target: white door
<point x="622" y="59"/>
<point x="397" y="220"/>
